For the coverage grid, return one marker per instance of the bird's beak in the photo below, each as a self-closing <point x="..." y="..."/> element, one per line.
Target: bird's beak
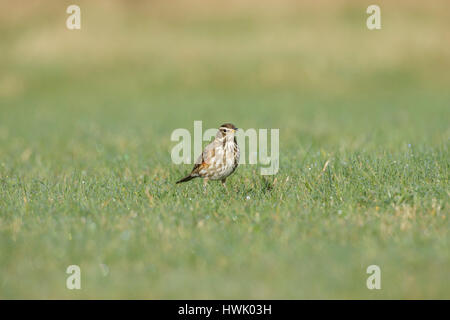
<point x="236" y="129"/>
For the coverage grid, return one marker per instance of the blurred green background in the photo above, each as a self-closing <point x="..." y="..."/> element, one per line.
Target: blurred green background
<point x="86" y="176"/>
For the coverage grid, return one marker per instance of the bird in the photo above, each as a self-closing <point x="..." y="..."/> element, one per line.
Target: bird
<point x="219" y="159"/>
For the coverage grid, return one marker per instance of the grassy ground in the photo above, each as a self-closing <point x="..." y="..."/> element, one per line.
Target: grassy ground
<point x="86" y="176"/>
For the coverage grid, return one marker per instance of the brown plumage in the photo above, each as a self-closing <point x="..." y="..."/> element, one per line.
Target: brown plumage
<point x="219" y="159"/>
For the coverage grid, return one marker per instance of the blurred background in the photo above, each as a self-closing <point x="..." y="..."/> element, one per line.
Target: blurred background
<point x="99" y="105"/>
<point x="158" y="65"/>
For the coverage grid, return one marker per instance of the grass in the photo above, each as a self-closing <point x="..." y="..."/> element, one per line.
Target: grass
<point x="86" y="176"/>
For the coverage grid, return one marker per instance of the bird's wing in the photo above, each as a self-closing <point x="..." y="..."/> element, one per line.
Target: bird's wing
<point x="205" y="158"/>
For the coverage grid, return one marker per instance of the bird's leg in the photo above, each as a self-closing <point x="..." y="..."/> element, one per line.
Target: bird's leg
<point x="224" y="185"/>
<point x="205" y="182"/>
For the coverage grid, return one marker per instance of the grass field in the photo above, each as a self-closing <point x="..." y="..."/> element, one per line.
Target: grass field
<point x="86" y="176"/>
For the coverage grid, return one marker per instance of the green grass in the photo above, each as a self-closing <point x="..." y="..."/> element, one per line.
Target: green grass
<point x="86" y="176"/>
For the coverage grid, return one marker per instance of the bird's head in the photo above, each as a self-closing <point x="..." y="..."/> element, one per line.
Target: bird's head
<point x="227" y="130"/>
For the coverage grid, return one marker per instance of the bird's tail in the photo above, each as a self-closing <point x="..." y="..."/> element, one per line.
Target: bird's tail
<point x="187" y="178"/>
